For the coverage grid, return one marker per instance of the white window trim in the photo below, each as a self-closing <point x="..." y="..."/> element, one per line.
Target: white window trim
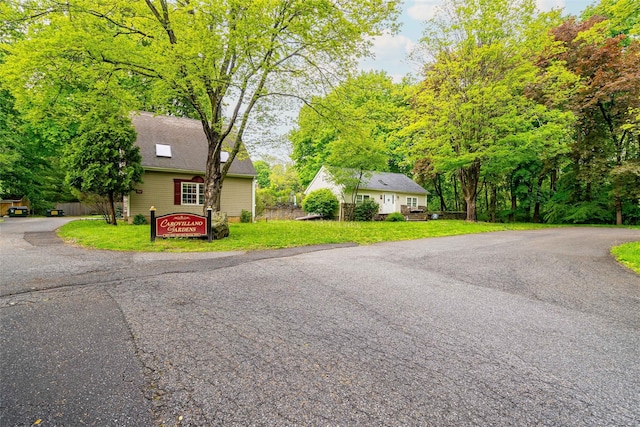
<point x="410" y="200"/>
<point x="362" y="197"/>
<point x="199" y="196"/>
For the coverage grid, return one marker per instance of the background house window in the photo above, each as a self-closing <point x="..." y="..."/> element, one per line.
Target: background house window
<point x="362" y="197"/>
<point x="412" y="202"/>
<point x="192" y="193"/>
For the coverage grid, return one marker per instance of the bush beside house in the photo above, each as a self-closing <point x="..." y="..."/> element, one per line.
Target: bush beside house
<point x="322" y="202"/>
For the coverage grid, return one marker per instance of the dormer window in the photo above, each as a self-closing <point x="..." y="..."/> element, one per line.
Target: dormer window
<point x="224" y="156"/>
<point x="163" y="150"/>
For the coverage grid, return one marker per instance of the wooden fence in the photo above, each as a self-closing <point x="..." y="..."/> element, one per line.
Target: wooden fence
<point x="280" y="213"/>
<point x="80" y="209"/>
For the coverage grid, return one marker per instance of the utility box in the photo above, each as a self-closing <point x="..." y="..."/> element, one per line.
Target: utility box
<point x="18" y="211"/>
<point x="55" y="212"/>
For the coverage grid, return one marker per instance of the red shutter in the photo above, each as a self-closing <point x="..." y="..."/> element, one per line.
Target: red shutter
<point x="177" y="191"/>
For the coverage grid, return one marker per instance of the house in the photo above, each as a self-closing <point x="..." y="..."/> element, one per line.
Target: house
<point x="394" y="192"/>
<point x="174" y="156"/>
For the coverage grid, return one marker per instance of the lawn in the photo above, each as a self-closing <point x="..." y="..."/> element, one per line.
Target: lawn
<point x="272" y="235"/>
<point x="629" y="255"/>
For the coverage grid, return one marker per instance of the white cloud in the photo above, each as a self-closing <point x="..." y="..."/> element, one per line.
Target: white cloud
<point x="391" y="46"/>
<point x="547" y="5"/>
<point x="423" y="10"/>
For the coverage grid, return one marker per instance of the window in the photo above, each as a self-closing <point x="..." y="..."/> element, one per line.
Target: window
<point x="188" y="191"/>
<point x="192" y="193"/>
<point x="412" y="202"/>
<point x="362" y="197"/>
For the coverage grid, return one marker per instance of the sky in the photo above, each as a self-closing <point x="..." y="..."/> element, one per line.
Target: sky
<point x="391" y="50"/>
<point x="391" y="55"/>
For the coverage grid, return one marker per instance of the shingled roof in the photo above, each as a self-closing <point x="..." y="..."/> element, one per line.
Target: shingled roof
<point x="388" y="181"/>
<point x="187" y="141"/>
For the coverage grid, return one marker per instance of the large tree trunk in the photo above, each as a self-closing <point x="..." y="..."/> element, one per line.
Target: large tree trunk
<point x="469" y="178"/>
<point x="471" y="208"/>
<point x="618" y="203"/>
<point x="213" y="173"/>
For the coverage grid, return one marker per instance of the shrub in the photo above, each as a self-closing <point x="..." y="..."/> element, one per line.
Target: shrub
<point x="139" y="219"/>
<point x="322" y="202"/>
<point x="366" y="210"/>
<point x="395" y="217"/>
<point x="245" y="216"/>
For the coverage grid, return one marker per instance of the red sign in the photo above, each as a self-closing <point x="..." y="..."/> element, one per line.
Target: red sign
<point x="181" y="225"/>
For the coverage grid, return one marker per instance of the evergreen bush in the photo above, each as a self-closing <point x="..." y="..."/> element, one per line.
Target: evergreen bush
<point x="139" y="219"/>
<point x="395" y="217"/>
<point x="366" y="210"/>
<point x="322" y="202"/>
<point x="245" y="216"/>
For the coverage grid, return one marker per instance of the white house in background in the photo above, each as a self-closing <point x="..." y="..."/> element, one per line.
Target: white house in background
<point x="394" y="192"/>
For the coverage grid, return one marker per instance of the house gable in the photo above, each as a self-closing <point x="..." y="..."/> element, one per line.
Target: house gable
<point x="174" y="152"/>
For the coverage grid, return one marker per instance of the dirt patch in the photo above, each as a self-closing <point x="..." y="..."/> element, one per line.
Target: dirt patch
<point x="42" y="238"/>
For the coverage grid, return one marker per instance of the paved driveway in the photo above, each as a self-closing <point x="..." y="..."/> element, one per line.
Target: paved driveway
<point x="513" y="328"/>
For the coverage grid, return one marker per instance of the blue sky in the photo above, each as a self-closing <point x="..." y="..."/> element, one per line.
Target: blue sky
<point x="391" y="51"/>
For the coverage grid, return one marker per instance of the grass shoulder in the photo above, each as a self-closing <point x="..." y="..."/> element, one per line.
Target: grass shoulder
<point x="273" y="235"/>
<point x="628" y="254"/>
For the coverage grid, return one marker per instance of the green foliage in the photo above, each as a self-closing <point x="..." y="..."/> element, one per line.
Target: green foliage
<point x="102" y="159"/>
<point x="395" y="217"/>
<point x="322" y="202"/>
<point x="245" y="216"/>
<point x="351" y="127"/>
<point x="139" y="219"/>
<point x="606" y="105"/>
<point x="194" y="58"/>
<point x="284" y="187"/>
<point x="366" y="210"/>
<point x="472" y="115"/>
<point x="264" y="173"/>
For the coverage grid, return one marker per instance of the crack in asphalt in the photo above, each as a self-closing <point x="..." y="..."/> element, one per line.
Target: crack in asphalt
<point x="119" y="274"/>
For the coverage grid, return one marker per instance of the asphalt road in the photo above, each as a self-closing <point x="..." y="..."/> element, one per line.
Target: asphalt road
<point x="510" y="328"/>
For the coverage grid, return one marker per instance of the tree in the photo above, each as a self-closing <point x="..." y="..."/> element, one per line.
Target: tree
<point x="263" y="169"/>
<point x="282" y="188"/>
<point x="606" y="104"/>
<point x="471" y="114"/>
<point x="207" y="55"/>
<point x="103" y="159"/>
<point x="350" y="131"/>
<point x="351" y="127"/>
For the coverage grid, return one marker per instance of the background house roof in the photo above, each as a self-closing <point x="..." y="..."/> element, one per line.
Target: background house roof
<point x="188" y="144"/>
<point x="388" y="181"/>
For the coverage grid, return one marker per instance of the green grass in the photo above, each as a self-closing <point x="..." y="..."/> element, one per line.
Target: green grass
<point x="272" y="235"/>
<point x="629" y="255"/>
